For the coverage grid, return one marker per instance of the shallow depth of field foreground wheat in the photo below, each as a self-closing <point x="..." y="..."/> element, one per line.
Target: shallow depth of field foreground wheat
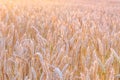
<point x="59" y="39"/>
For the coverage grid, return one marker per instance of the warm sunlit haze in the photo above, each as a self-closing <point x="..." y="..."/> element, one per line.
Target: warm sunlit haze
<point x="59" y="39"/>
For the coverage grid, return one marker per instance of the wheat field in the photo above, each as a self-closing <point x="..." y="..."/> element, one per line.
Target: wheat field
<point x="59" y="39"/>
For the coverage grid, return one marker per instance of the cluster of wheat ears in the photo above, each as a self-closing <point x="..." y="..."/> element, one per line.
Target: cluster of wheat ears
<point x="59" y="42"/>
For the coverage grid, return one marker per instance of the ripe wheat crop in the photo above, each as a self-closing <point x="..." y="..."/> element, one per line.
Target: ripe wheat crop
<point x="59" y="40"/>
